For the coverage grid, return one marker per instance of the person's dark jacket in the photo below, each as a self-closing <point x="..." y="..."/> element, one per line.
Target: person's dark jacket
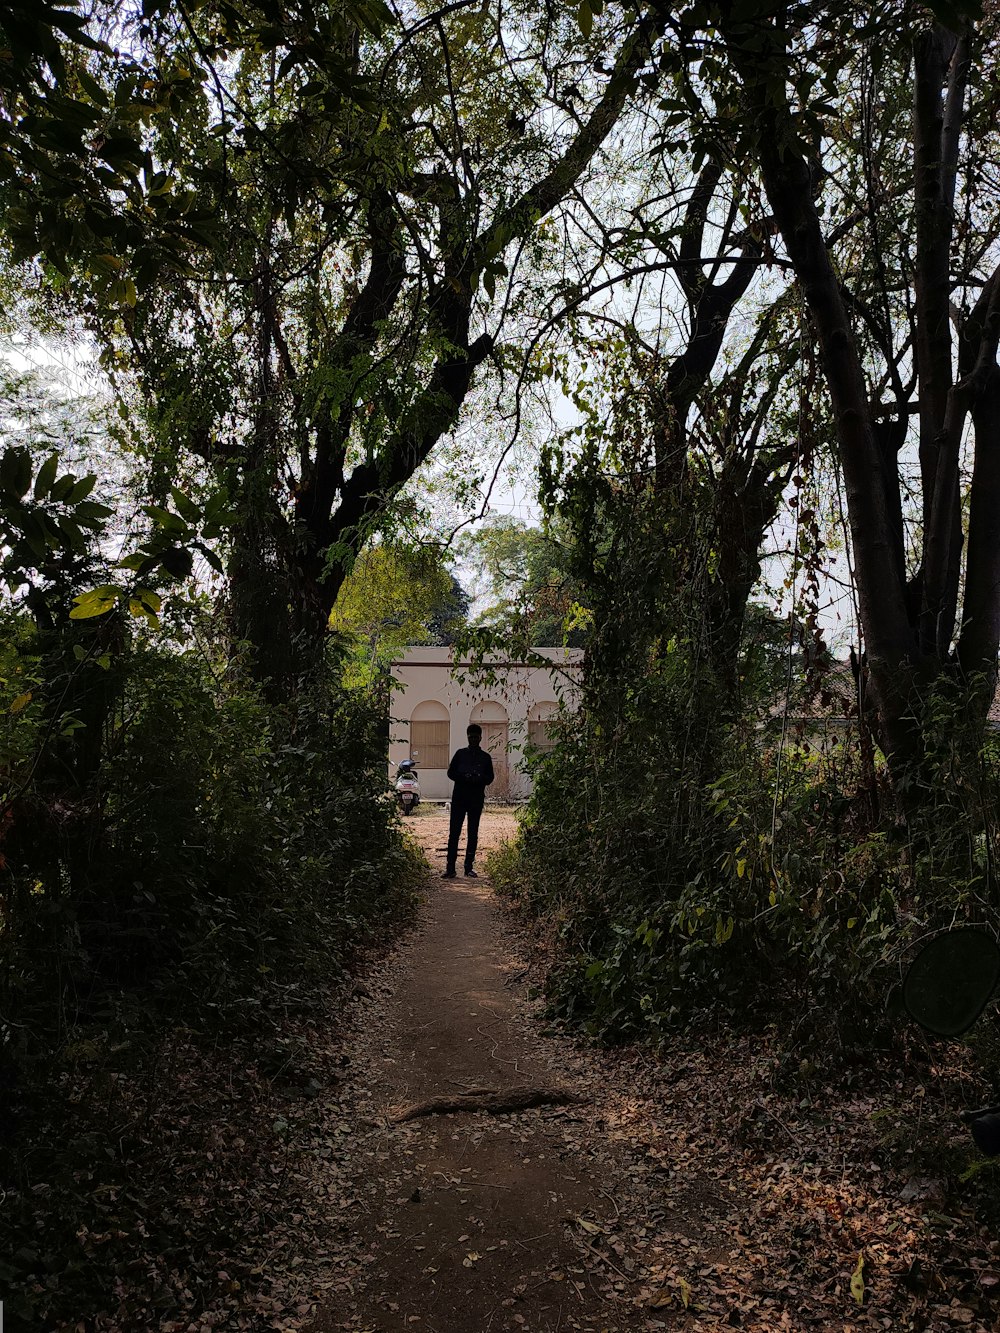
<point x="471" y="770"/>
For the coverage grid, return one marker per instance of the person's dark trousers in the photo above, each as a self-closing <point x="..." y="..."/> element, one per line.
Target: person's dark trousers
<point x="459" y="809"/>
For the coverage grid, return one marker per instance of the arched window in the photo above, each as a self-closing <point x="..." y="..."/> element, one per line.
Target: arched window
<point x="492" y="717"/>
<point x="488" y="711"/>
<point x="540" y="718"/>
<point x="430" y="734"/>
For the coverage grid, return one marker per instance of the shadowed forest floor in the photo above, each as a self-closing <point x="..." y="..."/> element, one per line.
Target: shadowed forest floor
<point x="726" y="1182"/>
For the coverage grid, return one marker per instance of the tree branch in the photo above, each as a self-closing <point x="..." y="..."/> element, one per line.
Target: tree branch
<point x="540" y="198"/>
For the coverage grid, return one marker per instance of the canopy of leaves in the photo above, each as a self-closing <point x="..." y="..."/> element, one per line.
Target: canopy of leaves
<point x="398" y="595"/>
<point x="526" y="590"/>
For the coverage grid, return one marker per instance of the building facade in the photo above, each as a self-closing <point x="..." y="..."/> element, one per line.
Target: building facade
<point x="435" y="698"/>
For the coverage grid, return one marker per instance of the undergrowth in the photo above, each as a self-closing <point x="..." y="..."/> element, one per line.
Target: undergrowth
<point x="215" y="872"/>
<point x="666" y="903"/>
<point x="700" y="840"/>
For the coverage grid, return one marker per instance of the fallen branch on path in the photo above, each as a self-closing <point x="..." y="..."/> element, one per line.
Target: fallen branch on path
<point x="494" y="1103"/>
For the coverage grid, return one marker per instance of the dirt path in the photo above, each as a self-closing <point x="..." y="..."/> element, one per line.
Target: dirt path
<point x="476" y="1221"/>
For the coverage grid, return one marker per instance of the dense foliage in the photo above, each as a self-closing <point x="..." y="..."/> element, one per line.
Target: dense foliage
<point x="397" y="595"/>
<point x="525" y="586"/>
<point x="712" y="837"/>
<point x="178" y="849"/>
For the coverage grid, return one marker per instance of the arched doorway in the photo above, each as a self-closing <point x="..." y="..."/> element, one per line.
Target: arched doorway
<point x="492" y="717"/>
<point x="430" y="735"/>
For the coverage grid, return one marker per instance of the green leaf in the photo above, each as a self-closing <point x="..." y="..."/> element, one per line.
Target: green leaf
<point x="107" y="592"/>
<point x="123" y="292"/>
<point x="91" y="512"/>
<point x="165" y="519"/>
<point x="15" y="472"/>
<point x="585" y="18"/>
<point x="215" y="509"/>
<point x="288" y="64"/>
<point x="160" y="183"/>
<point x="186" y="507"/>
<point x="81" y="489"/>
<point x="95" y="603"/>
<point x="724" y="930"/>
<point x="858" y="1280"/>
<point x="211" y="558"/>
<point x="106" y="263"/>
<point x="123" y="154"/>
<point x="145" y="605"/>
<point x="177" y="561"/>
<point x="91" y="87"/>
<point x="54" y="538"/>
<point x="46" y="476"/>
<point x="72" y="536"/>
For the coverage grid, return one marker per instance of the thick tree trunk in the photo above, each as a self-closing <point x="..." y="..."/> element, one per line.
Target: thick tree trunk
<point x="901" y="662"/>
<point x="872" y="505"/>
<point x="745" y="511"/>
<point x="940" y="62"/>
<point x="258" y="598"/>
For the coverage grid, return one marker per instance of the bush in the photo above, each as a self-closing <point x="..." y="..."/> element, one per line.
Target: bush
<point x="226" y="848"/>
<point x="219" y="868"/>
<point x="669" y="902"/>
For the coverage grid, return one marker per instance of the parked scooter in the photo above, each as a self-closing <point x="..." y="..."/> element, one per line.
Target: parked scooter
<point x="407" y="786"/>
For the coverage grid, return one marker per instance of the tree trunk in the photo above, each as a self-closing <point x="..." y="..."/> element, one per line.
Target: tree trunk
<point x="872" y="491"/>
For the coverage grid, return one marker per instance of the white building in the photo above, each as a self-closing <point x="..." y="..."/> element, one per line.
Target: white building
<point x="436" y="698"/>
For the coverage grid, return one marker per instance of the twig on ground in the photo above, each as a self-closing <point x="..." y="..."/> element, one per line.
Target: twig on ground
<point x="493" y="1103"/>
<point x="614" y="1204"/>
<point x="601" y="1258"/>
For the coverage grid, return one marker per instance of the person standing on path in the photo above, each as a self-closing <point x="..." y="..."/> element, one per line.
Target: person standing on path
<point x="471" y="770"/>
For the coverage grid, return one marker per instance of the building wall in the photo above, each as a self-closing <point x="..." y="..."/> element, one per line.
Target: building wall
<point x="428" y="681"/>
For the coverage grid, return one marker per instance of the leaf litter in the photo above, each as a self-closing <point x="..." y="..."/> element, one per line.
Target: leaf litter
<point x="732" y="1187"/>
